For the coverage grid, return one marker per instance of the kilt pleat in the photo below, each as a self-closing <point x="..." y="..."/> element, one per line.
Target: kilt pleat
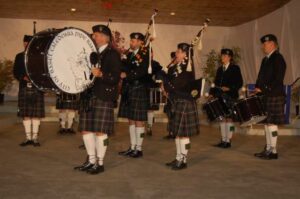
<point x="31" y="103"/>
<point x="100" y="118"/>
<point x="275" y="109"/>
<point x="184" y="120"/>
<point x="67" y="101"/>
<point x="136" y="106"/>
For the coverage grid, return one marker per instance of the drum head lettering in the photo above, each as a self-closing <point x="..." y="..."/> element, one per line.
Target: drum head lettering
<point x="68" y="60"/>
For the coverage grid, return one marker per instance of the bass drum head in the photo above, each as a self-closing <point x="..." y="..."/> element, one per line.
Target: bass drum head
<point x="68" y="60"/>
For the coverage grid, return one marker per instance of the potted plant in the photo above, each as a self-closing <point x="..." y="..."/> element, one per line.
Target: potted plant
<point x="6" y="76"/>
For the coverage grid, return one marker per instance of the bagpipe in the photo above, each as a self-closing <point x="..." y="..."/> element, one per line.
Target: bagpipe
<point x="145" y="49"/>
<point x="195" y="87"/>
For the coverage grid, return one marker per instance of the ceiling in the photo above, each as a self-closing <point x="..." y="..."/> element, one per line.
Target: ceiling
<point x="187" y="12"/>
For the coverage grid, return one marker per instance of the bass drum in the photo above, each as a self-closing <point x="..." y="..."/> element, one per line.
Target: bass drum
<point x="59" y="60"/>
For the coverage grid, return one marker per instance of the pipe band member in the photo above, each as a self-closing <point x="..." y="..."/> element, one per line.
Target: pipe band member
<point x="96" y="120"/>
<point x="31" y="105"/>
<point x="230" y="80"/>
<point x="270" y="83"/>
<point x="184" y="117"/>
<point x="134" y="104"/>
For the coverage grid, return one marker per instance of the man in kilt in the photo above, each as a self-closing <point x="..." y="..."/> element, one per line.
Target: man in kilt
<point x="30" y="99"/>
<point x="96" y="120"/>
<point x="229" y="79"/>
<point x="134" y="103"/>
<point x="184" y="116"/>
<point x="67" y="104"/>
<point x="270" y="84"/>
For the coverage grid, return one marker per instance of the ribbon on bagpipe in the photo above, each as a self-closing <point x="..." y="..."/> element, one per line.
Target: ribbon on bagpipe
<point x="148" y="40"/>
<point x="197" y="45"/>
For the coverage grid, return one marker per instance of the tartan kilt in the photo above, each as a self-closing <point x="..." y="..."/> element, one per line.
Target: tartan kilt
<point x="275" y="109"/>
<point x="184" y="119"/>
<point x="137" y="104"/>
<point x="168" y="112"/>
<point x="31" y="103"/>
<point x="100" y="118"/>
<point x="67" y="101"/>
<point x="123" y="107"/>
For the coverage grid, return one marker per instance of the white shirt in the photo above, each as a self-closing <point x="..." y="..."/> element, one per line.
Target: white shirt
<point x="226" y="66"/>
<point x="136" y="51"/>
<point x="269" y="55"/>
<point x="102" y="48"/>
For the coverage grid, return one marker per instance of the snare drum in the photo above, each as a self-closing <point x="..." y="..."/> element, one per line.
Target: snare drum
<point x="217" y="109"/>
<point x="249" y="111"/>
<point x="58" y="60"/>
<point x="157" y="98"/>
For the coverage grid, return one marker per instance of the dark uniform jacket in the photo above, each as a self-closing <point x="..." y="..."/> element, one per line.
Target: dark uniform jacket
<point x="19" y="69"/>
<point x="136" y="67"/>
<point x="156" y="67"/>
<point x="178" y="80"/>
<point x="231" y="78"/>
<point x="271" y="75"/>
<point x="106" y="87"/>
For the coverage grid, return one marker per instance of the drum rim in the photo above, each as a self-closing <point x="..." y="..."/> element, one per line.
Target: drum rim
<point x="59" y="30"/>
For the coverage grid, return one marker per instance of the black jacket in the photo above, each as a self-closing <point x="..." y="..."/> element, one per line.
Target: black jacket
<point x="231" y="78"/>
<point x="136" y="67"/>
<point x="106" y="87"/>
<point x="19" y="69"/>
<point x="177" y="81"/>
<point x="271" y="75"/>
<point x="151" y="78"/>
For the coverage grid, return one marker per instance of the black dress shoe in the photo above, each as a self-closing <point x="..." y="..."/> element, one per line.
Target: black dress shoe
<point x="136" y="154"/>
<point x="220" y="145"/>
<point x="270" y="156"/>
<point x="62" y="131"/>
<point x="26" y="143"/>
<point x="70" y="131"/>
<point x="36" y="143"/>
<point x="95" y="169"/>
<point x="179" y="165"/>
<point x="84" y="167"/>
<point x="171" y="164"/>
<point x="261" y="154"/>
<point x="226" y="145"/>
<point x="127" y="152"/>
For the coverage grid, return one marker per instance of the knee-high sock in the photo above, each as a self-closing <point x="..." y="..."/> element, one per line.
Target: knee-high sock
<point x="230" y="128"/>
<point x="35" y="128"/>
<point x="273" y="134"/>
<point x="178" y="150"/>
<point x="223" y="131"/>
<point x="27" y="127"/>
<point x="101" y="146"/>
<point x="268" y="137"/>
<point x="71" y="116"/>
<point x="185" y="145"/>
<point x="63" y="119"/>
<point x="132" y="136"/>
<point x="90" y="146"/>
<point x="150" y="116"/>
<point x="140" y="133"/>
